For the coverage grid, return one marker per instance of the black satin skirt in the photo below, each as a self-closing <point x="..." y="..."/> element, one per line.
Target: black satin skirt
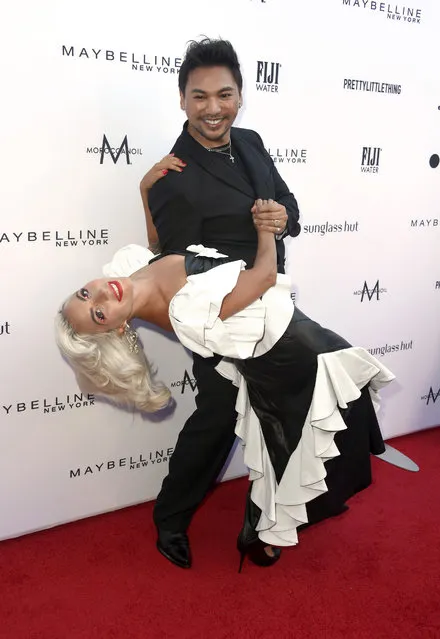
<point x="281" y="385"/>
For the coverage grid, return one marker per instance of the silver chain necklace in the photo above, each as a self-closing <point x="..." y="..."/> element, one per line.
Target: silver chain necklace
<point x="227" y="150"/>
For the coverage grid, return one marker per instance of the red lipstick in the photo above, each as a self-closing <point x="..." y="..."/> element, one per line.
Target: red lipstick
<point x="116" y="289"/>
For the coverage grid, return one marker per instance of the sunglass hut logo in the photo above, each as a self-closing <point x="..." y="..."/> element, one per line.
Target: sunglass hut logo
<point x="5" y="328"/>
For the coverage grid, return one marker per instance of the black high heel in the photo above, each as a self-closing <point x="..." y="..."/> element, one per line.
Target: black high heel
<point x="256" y="552"/>
<point x="248" y="542"/>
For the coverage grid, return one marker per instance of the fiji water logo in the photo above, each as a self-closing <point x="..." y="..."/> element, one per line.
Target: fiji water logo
<point x="370" y="159"/>
<point x="268" y="74"/>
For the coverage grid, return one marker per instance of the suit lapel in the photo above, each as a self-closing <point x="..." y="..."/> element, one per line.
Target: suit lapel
<point x="256" y="168"/>
<point x="223" y="171"/>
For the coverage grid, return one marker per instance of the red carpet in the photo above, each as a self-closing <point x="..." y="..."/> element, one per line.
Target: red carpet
<point x="372" y="572"/>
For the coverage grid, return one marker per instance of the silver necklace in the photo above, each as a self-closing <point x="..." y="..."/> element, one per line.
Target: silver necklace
<point x="227" y="150"/>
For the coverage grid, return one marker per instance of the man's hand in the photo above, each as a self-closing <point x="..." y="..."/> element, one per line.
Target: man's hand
<point x="160" y="169"/>
<point x="270" y="214"/>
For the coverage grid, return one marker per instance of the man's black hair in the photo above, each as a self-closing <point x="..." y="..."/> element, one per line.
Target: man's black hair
<point x="210" y="53"/>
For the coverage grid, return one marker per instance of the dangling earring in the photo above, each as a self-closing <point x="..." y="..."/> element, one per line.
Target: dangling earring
<point x="132" y="337"/>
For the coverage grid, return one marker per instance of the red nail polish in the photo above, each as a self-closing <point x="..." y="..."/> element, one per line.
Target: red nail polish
<point x="165" y="171"/>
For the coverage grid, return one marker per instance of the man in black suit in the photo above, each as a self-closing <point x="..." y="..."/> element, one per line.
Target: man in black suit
<point x="212" y="202"/>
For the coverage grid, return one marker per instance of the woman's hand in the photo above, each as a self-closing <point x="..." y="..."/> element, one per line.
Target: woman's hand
<point x="160" y="169"/>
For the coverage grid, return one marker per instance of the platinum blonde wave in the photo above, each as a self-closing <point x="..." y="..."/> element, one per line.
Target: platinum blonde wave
<point x="104" y="365"/>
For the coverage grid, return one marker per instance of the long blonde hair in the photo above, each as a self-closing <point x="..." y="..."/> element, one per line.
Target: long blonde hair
<point x="104" y="365"/>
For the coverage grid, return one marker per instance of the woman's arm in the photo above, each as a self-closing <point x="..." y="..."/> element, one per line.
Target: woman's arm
<point x="157" y="172"/>
<point x="254" y="282"/>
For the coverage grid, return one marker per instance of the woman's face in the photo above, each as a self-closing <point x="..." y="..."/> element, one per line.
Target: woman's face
<point x="100" y="305"/>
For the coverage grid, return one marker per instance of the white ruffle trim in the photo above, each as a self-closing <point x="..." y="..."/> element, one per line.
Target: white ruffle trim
<point x="127" y="260"/>
<point x="194" y="313"/>
<point x="340" y="377"/>
<point x="204" y="251"/>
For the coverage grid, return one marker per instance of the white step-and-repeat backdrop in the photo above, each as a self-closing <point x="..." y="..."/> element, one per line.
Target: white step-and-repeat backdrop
<point x="346" y="96"/>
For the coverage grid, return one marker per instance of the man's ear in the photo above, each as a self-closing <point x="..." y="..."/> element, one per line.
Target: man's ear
<point x="182" y="101"/>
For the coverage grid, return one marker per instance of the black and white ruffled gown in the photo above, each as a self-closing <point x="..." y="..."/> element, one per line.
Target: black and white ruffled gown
<point x="306" y="398"/>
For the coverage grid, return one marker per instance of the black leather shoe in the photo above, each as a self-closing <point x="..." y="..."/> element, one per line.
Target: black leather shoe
<point x="175" y="547"/>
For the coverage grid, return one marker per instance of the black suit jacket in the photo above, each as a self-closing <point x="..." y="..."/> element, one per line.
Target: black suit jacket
<point x="209" y="202"/>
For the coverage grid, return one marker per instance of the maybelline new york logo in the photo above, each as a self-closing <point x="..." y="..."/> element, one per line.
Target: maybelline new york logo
<point x="392" y="11"/>
<point x="370" y="159"/>
<point x="63" y="403"/>
<point x="268" y="76"/>
<point x="63" y="239"/>
<point x="424" y="222"/>
<point x="282" y="155"/>
<point x="114" y="153"/>
<point x="432" y="396"/>
<point x="5" y="328"/>
<point x="185" y="382"/>
<point x="370" y="85"/>
<point x="137" y="462"/>
<point x="167" y="65"/>
<point x="370" y="293"/>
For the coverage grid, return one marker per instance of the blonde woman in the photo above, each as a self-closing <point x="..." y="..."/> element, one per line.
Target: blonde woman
<point x="305" y="401"/>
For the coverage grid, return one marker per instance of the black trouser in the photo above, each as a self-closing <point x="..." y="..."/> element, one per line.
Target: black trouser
<point x="202" y="448"/>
